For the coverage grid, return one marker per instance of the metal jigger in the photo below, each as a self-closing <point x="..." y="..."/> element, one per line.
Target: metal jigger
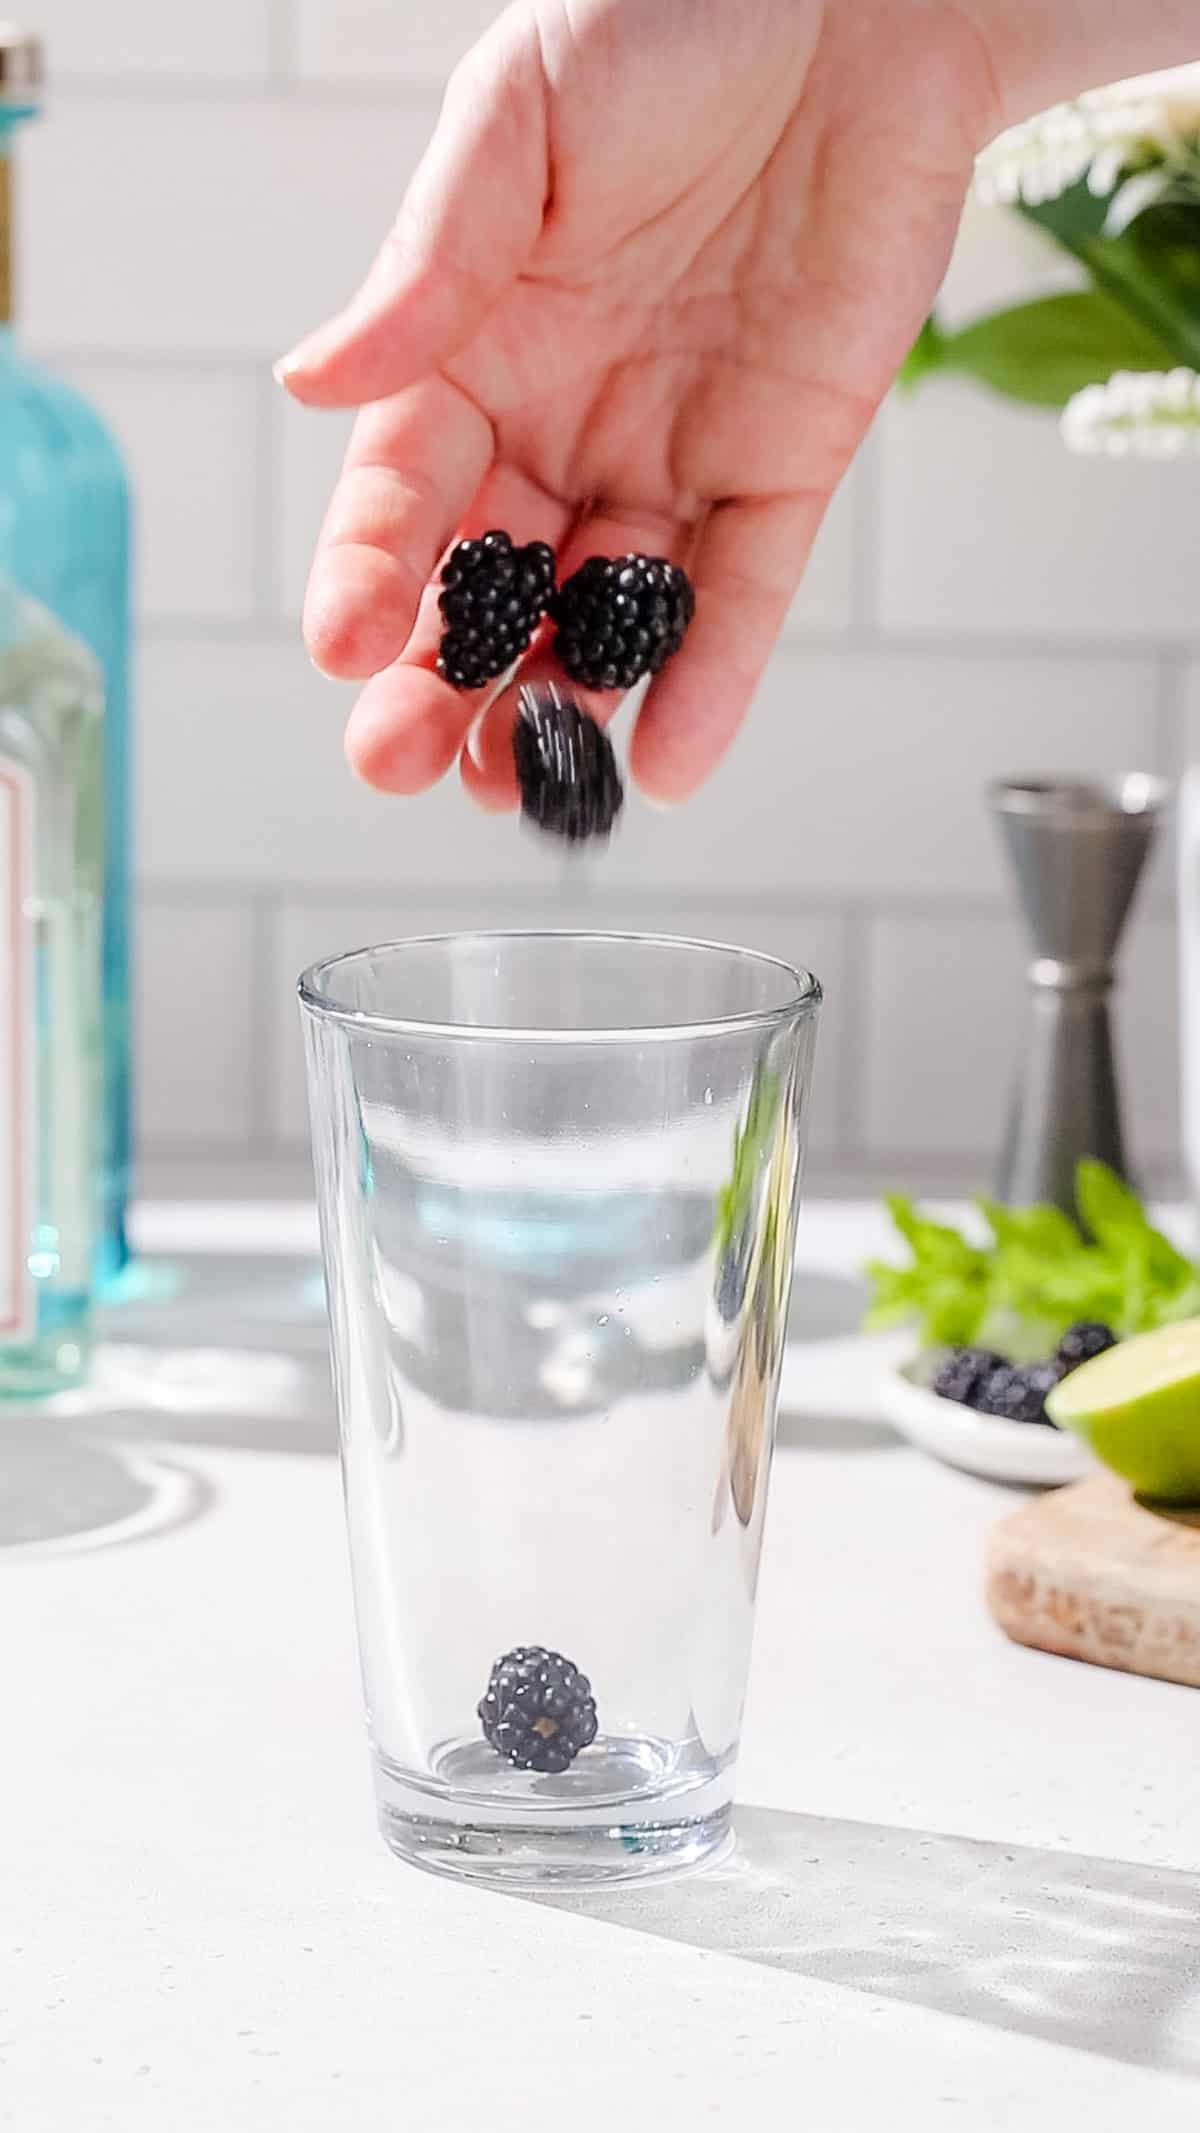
<point x="1078" y="851"/>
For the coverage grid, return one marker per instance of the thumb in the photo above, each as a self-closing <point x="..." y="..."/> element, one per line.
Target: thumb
<point x="467" y="225"/>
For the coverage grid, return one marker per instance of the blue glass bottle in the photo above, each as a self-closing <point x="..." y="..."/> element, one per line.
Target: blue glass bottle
<point x="64" y="539"/>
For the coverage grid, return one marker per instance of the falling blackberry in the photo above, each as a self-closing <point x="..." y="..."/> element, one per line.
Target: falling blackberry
<point x="1081" y="1342"/>
<point x="1016" y="1393"/>
<point x="619" y="618"/>
<point x="963" y="1373"/>
<point x="538" y="1710"/>
<point x="493" y="597"/>
<point x="566" y="769"/>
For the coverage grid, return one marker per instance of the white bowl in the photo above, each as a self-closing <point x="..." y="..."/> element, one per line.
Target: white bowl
<point x="1029" y="1452"/>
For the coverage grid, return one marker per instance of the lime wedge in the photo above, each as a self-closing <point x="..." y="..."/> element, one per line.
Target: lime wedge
<point x="1138" y="1406"/>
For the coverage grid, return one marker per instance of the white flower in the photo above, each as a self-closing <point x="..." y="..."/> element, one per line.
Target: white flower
<point x="1095" y="137"/>
<point x="1152" y="413"/>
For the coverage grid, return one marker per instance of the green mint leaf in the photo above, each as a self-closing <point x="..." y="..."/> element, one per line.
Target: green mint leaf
<point x="1038" y="1229"/>
<point x="1110" y="1211"/>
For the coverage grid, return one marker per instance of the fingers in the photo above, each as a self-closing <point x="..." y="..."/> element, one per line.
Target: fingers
<point x="746" y="570"/>
<point x="408" y="724"/>
<point x="413" y="466"/>
<point x="487" y="764"/>
<point x="467" y="225"/>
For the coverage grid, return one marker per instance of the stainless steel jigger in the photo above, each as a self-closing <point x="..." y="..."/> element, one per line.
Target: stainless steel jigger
<point x="1078" y="851"/>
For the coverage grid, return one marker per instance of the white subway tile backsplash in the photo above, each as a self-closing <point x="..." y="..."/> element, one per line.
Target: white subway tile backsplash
<point x="944" y="1022"/>
<point x="223" y="40"/>
<point x="1147" y="1020"/>
<point x="825" y="600"/>
<point x="205" y="226"/>
<point x="189" y="439"/>
<point x="862" y="774"/>
<point x="1190" y="735"/>
<point x="180" y="227"/>
<point x="857" y="775"/>
<point x="242" y="779"/>
<point x="374" y="41"/>
<point x="194" y="1023"/>
<point x="988" y="524"/>
<point x="1000" y="259"/>
<point x="944" y="1001"/>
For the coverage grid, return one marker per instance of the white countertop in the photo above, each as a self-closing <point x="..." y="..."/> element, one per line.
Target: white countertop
<point x="967" y="1894"/>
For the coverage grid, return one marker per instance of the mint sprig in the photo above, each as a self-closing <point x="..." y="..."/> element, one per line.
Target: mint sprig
<point x="1039" y="1273"/>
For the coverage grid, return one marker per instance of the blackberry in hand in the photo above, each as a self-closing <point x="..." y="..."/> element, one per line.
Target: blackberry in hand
<point x="566" y="769"/>
<point x="1081" y="1342"/>
<point x="538" y="1710"/>
<point x="493" y="597"/>
<point x="1018" y="1394"/>
<point x="963" y="1373"/>
<point x="619" y="618"/>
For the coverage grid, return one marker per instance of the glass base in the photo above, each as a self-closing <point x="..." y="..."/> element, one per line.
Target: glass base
<point x="604" y="1822"/>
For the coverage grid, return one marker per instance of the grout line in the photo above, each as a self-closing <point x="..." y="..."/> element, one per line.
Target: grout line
<point x="266" y="512"/>
<point x="622" y="900"/>
<point x="620" y="906"/>
<point x="798" y="646"/>
<point x="279" y="85"/>
<point x="228" y="363"/>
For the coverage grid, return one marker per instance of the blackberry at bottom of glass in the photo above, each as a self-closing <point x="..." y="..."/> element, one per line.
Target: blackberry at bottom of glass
<point x="630" y="1810"/>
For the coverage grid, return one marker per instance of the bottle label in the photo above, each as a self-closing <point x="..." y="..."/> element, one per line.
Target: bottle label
<point x="18" y="1090"/>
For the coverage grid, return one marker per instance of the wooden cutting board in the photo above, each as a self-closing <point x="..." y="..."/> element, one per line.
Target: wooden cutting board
<point x="1088" y="1572"/>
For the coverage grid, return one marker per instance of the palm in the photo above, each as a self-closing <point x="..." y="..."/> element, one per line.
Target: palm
<point x="680" y="352"/>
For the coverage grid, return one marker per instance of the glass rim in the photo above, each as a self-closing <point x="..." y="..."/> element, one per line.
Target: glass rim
<point x="316" y="999"/>
<point x="1128" y="796"/>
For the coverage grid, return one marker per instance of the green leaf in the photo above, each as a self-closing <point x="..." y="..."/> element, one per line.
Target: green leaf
<point x="1044" y="351"/>
<point x="1039" y="1275"/>
<point x="1151" y="270"/>
<point x="1039" y="1229"/>
<point x="1112" y="1213"/>
<point x="926" y="355"/>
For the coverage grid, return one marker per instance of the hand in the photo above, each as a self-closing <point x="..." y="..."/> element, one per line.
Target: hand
<point x="653" y="277"/>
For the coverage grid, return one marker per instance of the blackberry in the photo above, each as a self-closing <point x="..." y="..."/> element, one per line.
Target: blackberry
<point x="493" y="597"/>
<point x="566" y="769"/>
<point x="1081" y="1342"/>
<point x="537" y="1710"/>
<point x="1018" y="1394"/>
<point x="963" y="1372"/>
<point x="619" y="618"/>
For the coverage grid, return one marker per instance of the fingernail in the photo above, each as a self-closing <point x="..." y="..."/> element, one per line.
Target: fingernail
<point x="305" y="357"/>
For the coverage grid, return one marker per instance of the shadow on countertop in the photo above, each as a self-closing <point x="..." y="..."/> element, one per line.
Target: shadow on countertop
<point x="107" y="1465"/>
<point x="1097" y="1954"/>
<point x="210" y="1353"/>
